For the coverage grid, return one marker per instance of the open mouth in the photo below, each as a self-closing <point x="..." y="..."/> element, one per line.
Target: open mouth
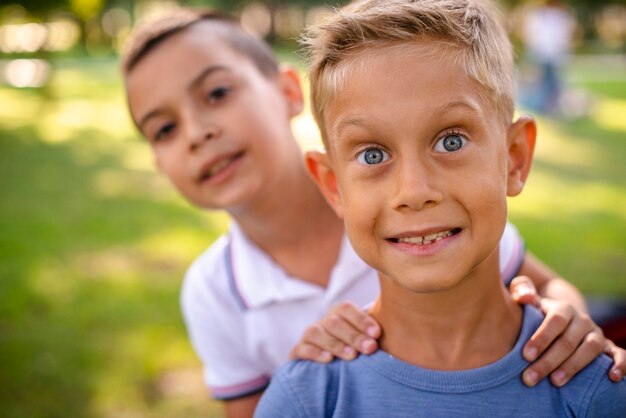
<point x="426" y="239"/>
<point x="219" y="166"/>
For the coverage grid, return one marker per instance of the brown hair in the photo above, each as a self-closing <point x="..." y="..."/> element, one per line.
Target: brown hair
<point x="467" y="31"/>
<point x="147" y="36"/>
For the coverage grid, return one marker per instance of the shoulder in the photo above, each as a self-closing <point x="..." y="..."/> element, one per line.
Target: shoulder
<point x="216" y="327"/>
<point x="592" y="394"/>
<point x="207" y="273"/>
<point x="210" y="261"/>
<point x="301" y="388"/>
<point x="209" y="306"/>
<point x="304" y="376"/>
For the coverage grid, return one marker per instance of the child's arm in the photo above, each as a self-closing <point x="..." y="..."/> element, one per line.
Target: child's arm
<point x="567" y="341"/>
<point x="242" y="407"/>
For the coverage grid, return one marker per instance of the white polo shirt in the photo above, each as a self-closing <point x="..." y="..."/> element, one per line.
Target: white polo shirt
<point x="244" y="313"/>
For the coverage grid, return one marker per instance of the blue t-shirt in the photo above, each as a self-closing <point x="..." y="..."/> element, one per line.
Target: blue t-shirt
<point x="383" y="386"/>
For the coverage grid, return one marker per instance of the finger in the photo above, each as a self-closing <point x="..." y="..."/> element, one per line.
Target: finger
<point x="358" y="318"/>
<point x="592" y="345"/>
<point x="342" y="330"/>
<point x="523" y="291"/>
<point x="317" y="335"/>
<point x="618" y="370"/>
<point x="305" y="351"/>
<point x="558" y="318"/>
<point x="558" y="352"/>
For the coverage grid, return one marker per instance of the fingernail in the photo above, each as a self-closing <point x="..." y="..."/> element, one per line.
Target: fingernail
<point x="367" y="346"/>
<point x="523" y="289"/>
<point x="616" y="373"/>
<point x="559" y="378"/>
<point x="349" y="352"/>
<point x="530" y="353"/>
<point x="372" y="331"/>
<point x="325" y="356"/>
<point x="530" y="378"/>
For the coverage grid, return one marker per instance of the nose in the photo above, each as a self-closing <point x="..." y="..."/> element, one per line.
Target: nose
<point x="415" y="187"/>
<point x="199" y="129"/>
<point x="196" y="141"/>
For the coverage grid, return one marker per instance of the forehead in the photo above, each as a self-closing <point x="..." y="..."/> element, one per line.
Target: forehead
<point x="195" y="45"/>
<point x="416" y="78"/>
<point x="170" y="67"/>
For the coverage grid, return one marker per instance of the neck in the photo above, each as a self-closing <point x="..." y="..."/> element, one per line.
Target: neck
<point x="469" y="326"/>
<point x="290" y="220"/>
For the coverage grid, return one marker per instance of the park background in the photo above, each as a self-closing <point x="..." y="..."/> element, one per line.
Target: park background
<point x="94" y="243"/>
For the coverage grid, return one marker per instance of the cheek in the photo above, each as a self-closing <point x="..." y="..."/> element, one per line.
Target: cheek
<point x="360" y="207"/>
<point x="488" y="193"/>
<point x="166" y="162"/>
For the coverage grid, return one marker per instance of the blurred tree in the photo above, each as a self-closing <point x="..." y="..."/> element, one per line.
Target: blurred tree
<point x="86" y="9"/>
<point x="42" y="8"/>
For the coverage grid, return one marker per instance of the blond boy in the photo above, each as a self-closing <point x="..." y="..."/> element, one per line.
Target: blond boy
<point x="414" y="100"/>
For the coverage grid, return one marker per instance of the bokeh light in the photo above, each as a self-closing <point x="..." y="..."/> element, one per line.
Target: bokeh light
<point x="256" y="18"/>
<point x="29" y="37"/>
<point x="27" y="72"/>
<point x="62" y="35"/>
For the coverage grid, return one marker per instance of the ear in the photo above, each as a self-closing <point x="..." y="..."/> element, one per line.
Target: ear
<point x="289" y="83"/>
<point x="521" y="142"/>
<point x="318" y="164"/>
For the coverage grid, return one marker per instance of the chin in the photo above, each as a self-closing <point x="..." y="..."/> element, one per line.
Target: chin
<point x="426" y="284"/>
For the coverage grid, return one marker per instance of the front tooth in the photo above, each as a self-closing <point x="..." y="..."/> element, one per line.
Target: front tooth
<point x="430" y="237"/>
<point x="217" y="167"/>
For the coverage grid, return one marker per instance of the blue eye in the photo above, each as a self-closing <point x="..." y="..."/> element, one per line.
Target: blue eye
<point x="218" y="94"/>
<point x="372" y="156"/>
<point x="450" y="143"/>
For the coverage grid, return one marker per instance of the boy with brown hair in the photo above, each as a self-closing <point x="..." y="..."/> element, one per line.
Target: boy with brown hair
<point x="216" y="110"/>
<point x="415" y="100"/>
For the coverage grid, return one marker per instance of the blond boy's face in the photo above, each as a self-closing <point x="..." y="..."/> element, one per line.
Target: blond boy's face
<point x="421" y="166"/>
<point x="218" y="127"/>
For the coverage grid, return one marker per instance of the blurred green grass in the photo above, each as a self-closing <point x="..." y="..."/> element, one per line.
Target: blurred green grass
<point x="94" y="244"/>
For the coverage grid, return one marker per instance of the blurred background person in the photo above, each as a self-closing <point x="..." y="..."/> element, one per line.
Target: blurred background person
<point x="548" y="33"/>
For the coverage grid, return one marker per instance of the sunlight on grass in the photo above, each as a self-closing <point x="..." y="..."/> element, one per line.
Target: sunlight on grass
<point x="117" y="183"/>
<point x="546" y="194"/>
<point x="611" y="114"/>
<point x="49" y="280"/>
<point x="178" y="244"/>
<point x="563" y="150"/>
<point x="73" y="116"/>
<point x="18" y="108"/>
<point x="572" y="195"/>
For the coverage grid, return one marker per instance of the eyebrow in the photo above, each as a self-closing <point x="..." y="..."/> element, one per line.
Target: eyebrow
<point x="362" y="122"/>
<point x="459" y="103"/>
<point x="196" y="81"/>
<point x="343" y="124"/>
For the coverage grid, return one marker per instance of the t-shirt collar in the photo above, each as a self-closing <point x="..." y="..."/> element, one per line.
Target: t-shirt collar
<point x="259" y="281"/>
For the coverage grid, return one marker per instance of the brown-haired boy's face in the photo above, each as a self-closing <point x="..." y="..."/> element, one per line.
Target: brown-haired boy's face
<point x="218" y="127"/>
<point x="422" y="165"/>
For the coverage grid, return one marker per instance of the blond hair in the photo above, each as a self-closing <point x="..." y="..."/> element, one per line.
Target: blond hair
<point x="152" y="33"/>
<point x="468" y="31"/>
